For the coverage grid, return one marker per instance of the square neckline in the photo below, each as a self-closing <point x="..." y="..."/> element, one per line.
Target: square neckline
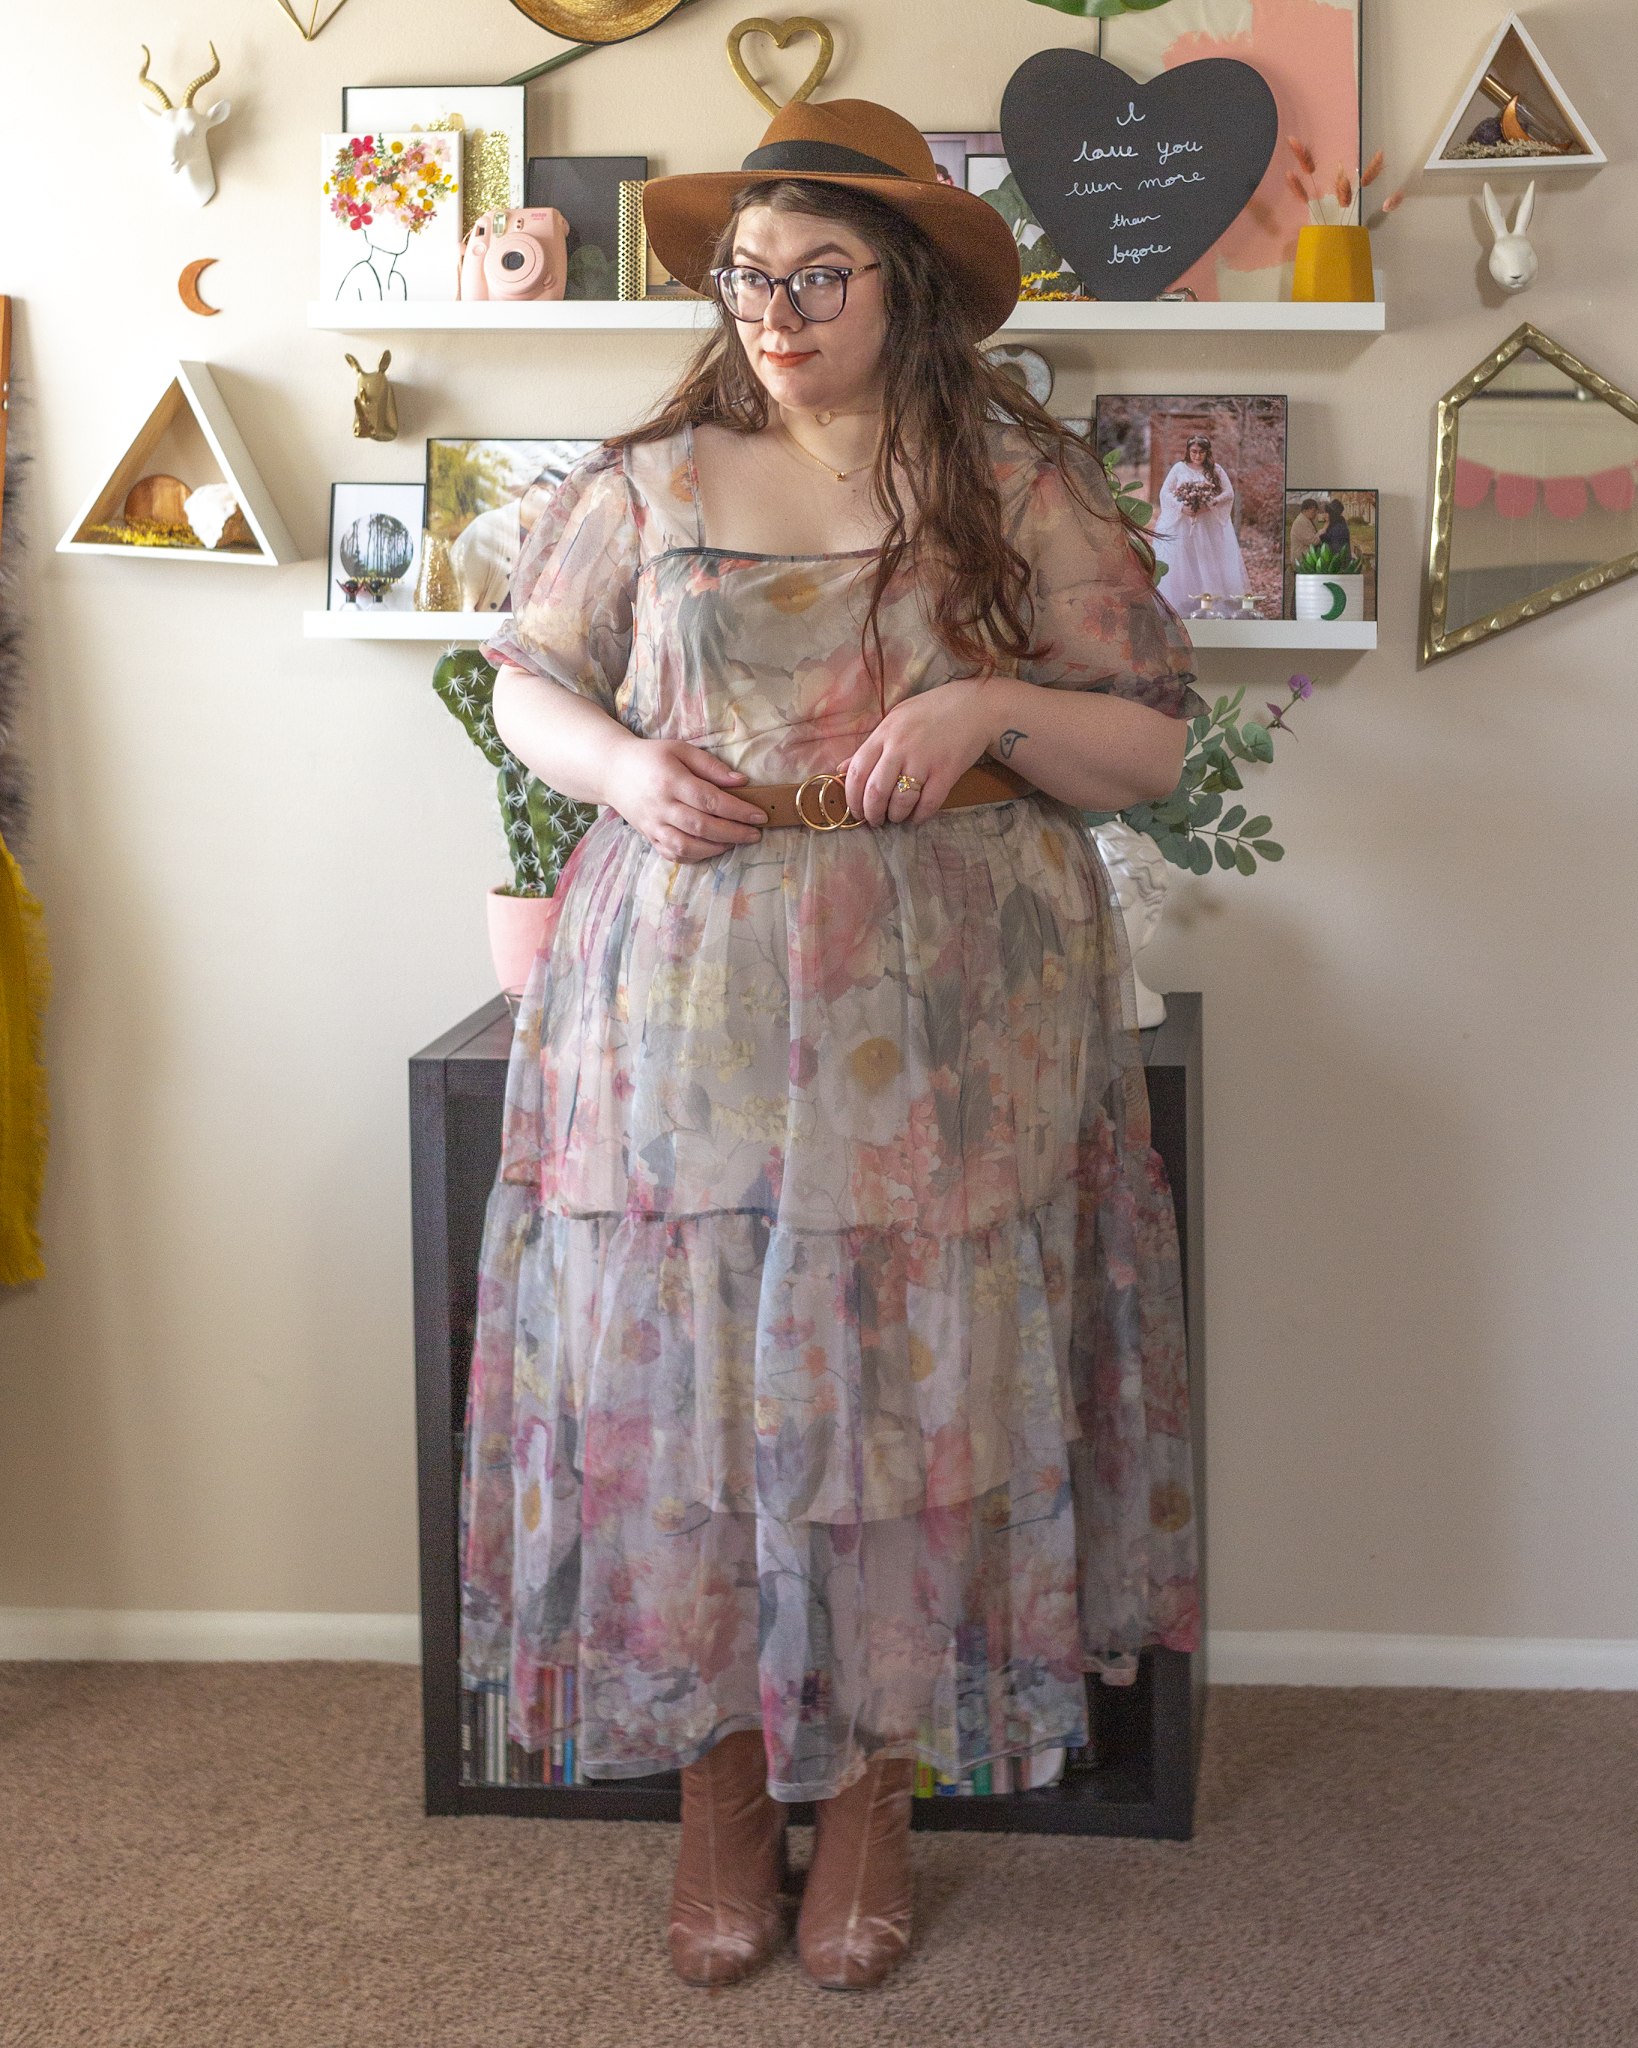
<point x="704" y="547"/>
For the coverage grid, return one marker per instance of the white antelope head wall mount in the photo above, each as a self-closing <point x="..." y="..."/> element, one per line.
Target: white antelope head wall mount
<point x="184" y="132"/>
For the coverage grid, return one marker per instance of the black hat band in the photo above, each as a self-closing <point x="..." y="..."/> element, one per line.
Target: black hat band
<point x="817" y="156"/>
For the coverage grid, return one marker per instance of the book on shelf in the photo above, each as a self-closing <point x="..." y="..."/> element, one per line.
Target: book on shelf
<point x="490" y="1757"/>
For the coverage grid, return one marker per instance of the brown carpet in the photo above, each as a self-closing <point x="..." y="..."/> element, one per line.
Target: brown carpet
<point x="202" y="1856"/>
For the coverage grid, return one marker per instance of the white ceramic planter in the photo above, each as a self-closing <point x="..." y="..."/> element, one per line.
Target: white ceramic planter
<point x="1140" y="875"/>
<point x="1330" y="597"/>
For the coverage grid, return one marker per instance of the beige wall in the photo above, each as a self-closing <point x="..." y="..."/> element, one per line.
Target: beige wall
<point x="262" y="860"/>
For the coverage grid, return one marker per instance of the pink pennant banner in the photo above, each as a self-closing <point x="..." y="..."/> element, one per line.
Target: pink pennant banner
<point x="1566" y="497"/>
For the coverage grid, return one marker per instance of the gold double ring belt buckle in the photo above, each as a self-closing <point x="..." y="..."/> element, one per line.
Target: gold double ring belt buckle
<point x="831" y="793"/>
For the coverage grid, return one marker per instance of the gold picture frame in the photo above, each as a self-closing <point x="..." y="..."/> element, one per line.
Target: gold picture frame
<point x="1436" y="641"/>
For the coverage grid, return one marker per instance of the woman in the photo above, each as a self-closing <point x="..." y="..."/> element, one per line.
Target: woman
<point x="828" y="1404"/>
<point x="1194" y="534"/>
<point x="485" y="553"/>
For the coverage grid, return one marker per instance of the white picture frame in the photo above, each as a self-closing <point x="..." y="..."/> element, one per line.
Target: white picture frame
<point x="489" y="118"/>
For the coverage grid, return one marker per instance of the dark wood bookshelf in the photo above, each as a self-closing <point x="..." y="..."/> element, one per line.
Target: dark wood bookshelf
<point x="1146" y="1736"/>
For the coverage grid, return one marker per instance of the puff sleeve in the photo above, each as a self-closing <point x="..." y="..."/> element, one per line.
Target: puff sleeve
<point x="1099" y="621"/>
<point x="573" y="588"/>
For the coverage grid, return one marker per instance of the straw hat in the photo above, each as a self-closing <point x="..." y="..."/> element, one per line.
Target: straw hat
<point x="844" y="142"/>
<point x="597" y="21"/>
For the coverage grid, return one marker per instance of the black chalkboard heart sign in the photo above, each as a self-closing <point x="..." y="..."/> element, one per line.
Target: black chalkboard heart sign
<point x="1135" y="182"/>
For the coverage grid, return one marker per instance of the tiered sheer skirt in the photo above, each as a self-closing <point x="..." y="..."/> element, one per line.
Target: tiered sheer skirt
<point x="830" y="1372"/>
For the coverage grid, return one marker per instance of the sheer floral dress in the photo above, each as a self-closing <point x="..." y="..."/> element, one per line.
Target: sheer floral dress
<point x="829" y="1376"/>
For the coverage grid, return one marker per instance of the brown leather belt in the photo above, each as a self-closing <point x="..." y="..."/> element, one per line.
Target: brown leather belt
<point x="820" y="803"/>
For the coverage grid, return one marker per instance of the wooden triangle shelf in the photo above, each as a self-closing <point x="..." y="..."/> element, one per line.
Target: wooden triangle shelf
<point x="191" y="391"/>
<point x="1513" y="66"/>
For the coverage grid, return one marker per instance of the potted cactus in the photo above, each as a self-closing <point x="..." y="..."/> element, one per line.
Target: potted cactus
<point x="542" y="828"/>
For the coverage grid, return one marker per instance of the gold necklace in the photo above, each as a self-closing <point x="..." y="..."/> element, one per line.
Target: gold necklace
<point x="841" y="475"/>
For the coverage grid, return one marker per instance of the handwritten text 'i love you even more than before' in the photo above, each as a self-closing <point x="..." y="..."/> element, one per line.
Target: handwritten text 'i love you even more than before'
<point x="1149" y="168"/>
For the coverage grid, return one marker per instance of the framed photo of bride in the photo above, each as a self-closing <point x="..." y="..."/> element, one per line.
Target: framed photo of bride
<point x="1213" y="469"/>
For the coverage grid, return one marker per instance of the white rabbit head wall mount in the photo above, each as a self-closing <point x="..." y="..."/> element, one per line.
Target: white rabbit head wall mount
<point x="1513" y="262"/>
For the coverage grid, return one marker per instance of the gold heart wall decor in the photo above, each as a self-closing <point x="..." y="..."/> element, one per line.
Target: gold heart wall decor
<point x="781" y="33"/>
<point x="314" y="28"/>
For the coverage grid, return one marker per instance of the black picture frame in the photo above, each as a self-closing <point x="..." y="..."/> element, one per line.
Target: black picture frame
<point x="1350" y="495"/>
<point x="405" y="502"/>
<point x="463" y="488"/>
<point x="586" y="191"/>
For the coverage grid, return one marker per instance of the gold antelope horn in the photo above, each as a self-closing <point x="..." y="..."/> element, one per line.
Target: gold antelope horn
<point x="152" y="84"/>
<point x="204" y="77"/>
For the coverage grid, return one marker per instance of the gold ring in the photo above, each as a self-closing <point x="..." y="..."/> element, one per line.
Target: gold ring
<point x="908" y="783"/>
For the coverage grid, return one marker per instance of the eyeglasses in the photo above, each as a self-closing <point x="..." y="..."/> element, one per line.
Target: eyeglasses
<point x="815" y="294"/>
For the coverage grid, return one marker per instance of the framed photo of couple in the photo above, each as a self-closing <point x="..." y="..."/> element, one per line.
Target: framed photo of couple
<point x="1334" y="517"/>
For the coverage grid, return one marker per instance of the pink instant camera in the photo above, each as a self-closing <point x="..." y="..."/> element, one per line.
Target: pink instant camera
<point x="523" y="254"/>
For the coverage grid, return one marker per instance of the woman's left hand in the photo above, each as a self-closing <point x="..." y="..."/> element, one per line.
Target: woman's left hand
<point x="929" y="739"/>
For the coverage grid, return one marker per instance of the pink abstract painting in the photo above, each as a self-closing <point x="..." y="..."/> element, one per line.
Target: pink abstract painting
<point x="1308" y="50"/>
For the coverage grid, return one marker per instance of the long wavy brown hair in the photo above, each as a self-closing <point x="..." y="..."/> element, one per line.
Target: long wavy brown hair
<point x="934" y="477"/>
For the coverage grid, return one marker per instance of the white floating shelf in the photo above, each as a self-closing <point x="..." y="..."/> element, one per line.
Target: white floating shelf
<point x="1294" y="635"/>
<point x="501" y="316"/>
<point x="365" y="622"/>
<point x="1038" y="316"/>
<point x="1203" y="316"/>
<point x="467" y="629"/>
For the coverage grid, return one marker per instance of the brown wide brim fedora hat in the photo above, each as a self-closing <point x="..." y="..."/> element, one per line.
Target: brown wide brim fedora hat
<point x="844" y="142"/>
<point x="597" y="21"/>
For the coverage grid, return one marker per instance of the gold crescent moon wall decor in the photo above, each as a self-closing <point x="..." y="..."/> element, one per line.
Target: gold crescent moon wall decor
<point x="187" y="286"/>
<point x="780" y="33"/>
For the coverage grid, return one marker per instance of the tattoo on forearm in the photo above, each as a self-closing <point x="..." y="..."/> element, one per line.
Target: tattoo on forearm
<point x="1009" y="740"/>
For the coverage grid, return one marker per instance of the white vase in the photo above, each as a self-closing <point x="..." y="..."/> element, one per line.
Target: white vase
<point x="1140" y="875"/>
<point x="1330" y="597"/>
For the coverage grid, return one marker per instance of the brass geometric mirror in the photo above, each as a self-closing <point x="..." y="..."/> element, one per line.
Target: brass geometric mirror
<point x="1534" y="497"/>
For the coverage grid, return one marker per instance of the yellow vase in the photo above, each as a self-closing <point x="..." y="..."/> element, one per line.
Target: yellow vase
<point x="1333" y="263"/>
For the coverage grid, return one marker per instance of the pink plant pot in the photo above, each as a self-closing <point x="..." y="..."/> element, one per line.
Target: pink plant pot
<point x="518" y="927"/>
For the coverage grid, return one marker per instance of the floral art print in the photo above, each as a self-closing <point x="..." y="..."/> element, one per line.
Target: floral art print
<point x="391" y="219"/>
<point x="1309" y="52"/>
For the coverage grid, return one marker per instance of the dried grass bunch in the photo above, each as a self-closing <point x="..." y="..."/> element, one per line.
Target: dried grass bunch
<point x="1343" y="205"/>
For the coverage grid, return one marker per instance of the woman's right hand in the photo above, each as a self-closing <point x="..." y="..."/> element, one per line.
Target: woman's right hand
<point x="678" y="796"/>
